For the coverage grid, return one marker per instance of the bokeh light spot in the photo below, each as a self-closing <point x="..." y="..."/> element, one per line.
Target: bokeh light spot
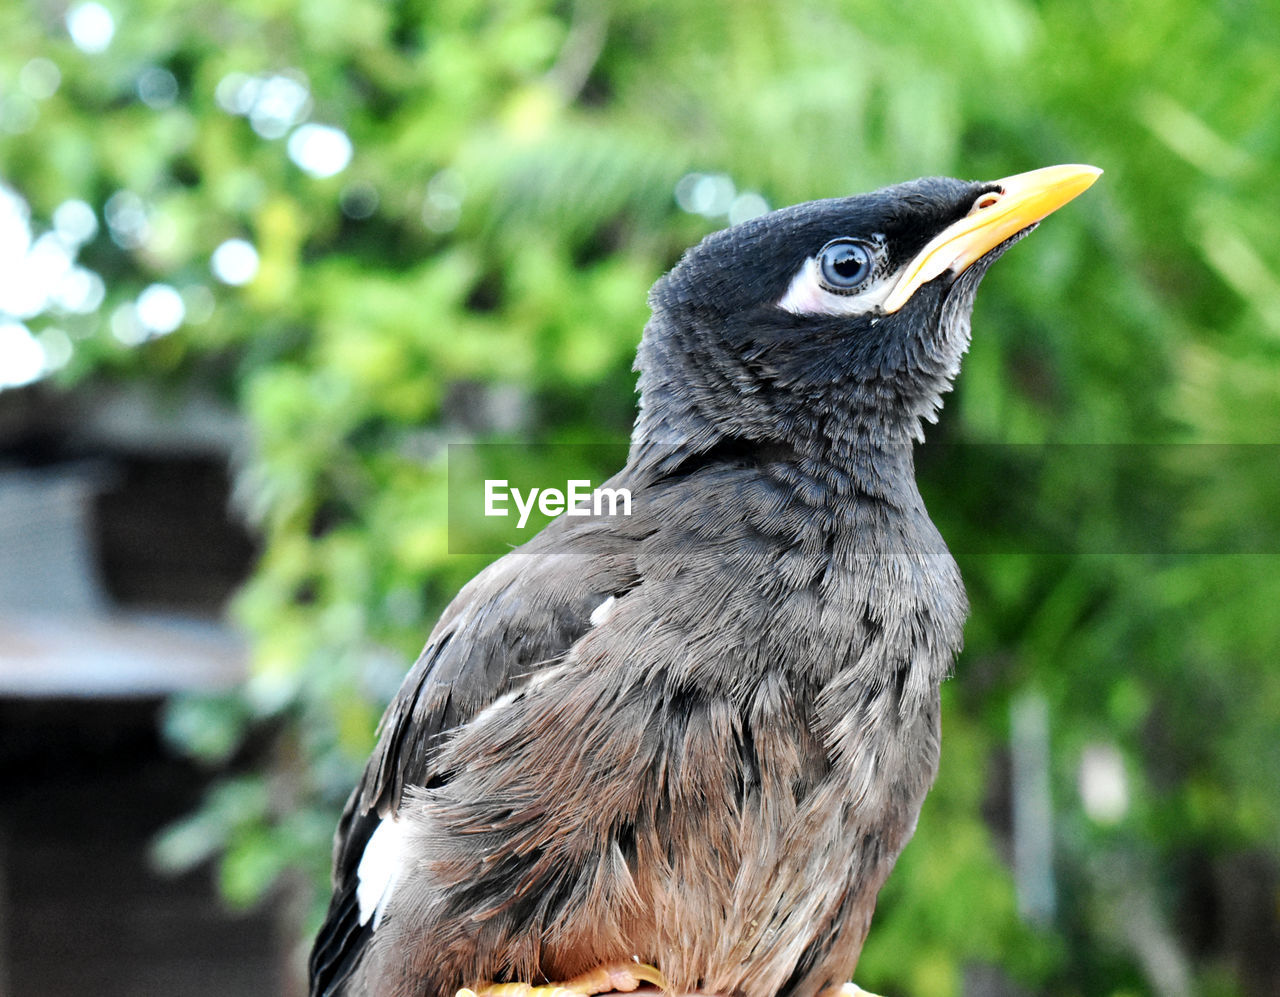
<point x="277" y="104"/>
<point x="747" y="206"/>
<point x="157" y="87"/>
<point x="127" y="219"/>
<point x="708" y="194"/>
<point x="235" y="262"/>
<point x="21" y="358"/>
<point x="320" y="150"/>
<point x="160" y="309"/>
<point x="1103" y="785"/>
<point x="125" y="325"/>
<point x="91" y="26"/>
<point x="80" y="291"/>
<point x="15" y="228"/>
<point x="235" y="93"/>
<point x="75" y="222"/>
<point x="57" y="348"/>
<point x="442" y="208"/>
<point x="26" y="290"/>
<point x="18" y="113"/>
<point x="40" y="78"/>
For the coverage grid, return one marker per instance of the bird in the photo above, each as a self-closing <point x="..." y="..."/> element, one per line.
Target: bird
<point x="682" y="748"/>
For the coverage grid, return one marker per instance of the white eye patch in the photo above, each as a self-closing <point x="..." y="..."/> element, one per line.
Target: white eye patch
<point x="810" y="294"/>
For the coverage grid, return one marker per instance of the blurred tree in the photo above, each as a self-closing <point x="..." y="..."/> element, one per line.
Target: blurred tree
<point x="379" y="227"/>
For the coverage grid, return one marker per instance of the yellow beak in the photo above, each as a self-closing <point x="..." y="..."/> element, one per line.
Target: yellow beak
<point x="1022" y="200"/>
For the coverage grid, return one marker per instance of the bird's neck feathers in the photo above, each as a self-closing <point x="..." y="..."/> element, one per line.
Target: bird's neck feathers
<point x="854" y="425"/>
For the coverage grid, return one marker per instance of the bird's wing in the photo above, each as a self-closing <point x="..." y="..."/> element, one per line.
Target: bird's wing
<point x="517" y="616"/>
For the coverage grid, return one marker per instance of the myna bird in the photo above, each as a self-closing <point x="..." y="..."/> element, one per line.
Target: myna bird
<point x="684" y="747"/>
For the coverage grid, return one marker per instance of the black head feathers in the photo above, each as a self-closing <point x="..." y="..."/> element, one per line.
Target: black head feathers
<point x="831" y="319"/>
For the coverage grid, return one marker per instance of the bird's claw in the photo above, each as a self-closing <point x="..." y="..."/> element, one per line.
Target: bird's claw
<point x="623" y="976"/>
<point x="519" y="990"/>
<point x="850" y="989"/>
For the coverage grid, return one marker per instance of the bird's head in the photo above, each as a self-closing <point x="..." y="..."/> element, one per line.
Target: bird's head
<point x="833" y="319"/>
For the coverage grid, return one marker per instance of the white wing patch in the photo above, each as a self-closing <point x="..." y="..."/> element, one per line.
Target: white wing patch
<point x="379" y="869"/>
<point x="383" y="860"/>
<point x="497" y="706"/>
<point x="384" y="856"/>
<point x="603" y="611"/>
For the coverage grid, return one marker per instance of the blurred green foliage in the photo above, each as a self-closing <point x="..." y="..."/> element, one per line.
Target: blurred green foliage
<point x="478" y="271"/>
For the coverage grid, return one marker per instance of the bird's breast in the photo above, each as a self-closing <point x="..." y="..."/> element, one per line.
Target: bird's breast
<point x="843" y="595"/>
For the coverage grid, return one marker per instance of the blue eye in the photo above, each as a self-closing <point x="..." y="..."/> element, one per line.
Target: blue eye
<point x="844" y="264"/>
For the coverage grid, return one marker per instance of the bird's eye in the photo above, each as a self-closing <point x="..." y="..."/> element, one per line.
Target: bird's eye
<point x="845" y="265"/>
